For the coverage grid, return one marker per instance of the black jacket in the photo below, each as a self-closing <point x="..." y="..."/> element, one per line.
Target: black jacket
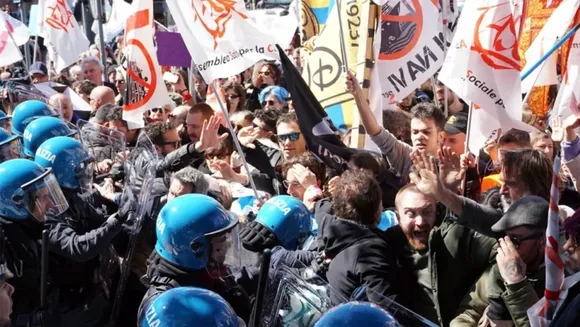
<point x="23" y="253"/>
<point x="360" y="257"/>
<point x="163" y="275"/>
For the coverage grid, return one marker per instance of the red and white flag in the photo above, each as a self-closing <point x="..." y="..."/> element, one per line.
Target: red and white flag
<point x="147" y="88"/>
<point x="9" y="52"/>
<point x="409" y="46"/>
<point x="17" y="28"/>
<point x="221" y="37"/>
<point x="483" y="67"/>
<point x="61" y="30"/>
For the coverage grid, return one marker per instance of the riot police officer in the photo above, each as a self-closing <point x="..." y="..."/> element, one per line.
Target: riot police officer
<point x="28" y="194"/>
<point x="284" y="225"/>
<point x="184" y="305"/>
<point x="197" y="248"/>
<point x="26" y="112"/>
<point x="357" y="314"/>
<point x="6" y="289"/>
<point x="42" y="129"/>
<point x="78" y="236"/>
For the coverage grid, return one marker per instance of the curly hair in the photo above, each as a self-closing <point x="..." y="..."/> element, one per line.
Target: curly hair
<point x="273" y="69"/>
<point x="309" y="161"/>
<point x="268" y="117"/>
<point x="156" y="131"/>
<point x="358" y="197"/>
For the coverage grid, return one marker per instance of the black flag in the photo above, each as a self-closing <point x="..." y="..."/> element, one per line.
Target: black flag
<point x="321" y="136"/>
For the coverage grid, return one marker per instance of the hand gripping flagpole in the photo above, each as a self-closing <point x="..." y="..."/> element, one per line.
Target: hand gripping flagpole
<point x="554" y="264"/>
<point x="342" y="46"/>
<point x="235" y="138"/>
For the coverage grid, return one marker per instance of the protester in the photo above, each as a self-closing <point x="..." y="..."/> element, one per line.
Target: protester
<point x="101" y="95"/>
<point x="64" y="107"/>
<point x="38" y="73"/>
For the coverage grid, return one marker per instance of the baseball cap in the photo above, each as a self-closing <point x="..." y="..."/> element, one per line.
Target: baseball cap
<point x="528" y="211"/>
<point x="38" y="68"/>
<point x="456" y="124"/>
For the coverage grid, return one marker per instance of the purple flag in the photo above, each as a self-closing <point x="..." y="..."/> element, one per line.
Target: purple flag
<point x="171" y="50"/>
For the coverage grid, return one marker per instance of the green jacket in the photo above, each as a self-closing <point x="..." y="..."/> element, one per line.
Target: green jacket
<point x="518" y="297"/>
<point x="457" y="258"/>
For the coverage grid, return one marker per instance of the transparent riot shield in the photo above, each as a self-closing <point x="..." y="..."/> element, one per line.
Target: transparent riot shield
<point x="296" y="297"/>
<point x="18" y="93"/>
<point x="107" y="146"/>
<point x="140" y="171"/>
<point x="403" y="315"/>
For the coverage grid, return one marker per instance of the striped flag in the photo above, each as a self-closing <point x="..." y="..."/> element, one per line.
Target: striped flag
<point x="542" y="313"/>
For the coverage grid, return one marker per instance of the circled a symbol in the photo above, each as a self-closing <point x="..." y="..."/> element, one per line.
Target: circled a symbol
<point x="400" y="33"/>
<point x="327" y="69"/>
<point x="148" y="85"/>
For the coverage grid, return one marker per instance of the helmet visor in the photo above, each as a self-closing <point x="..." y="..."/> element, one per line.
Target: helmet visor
<point x="45" y="197"/>
<point x="11" y="150"/>
<point x="85" y="173"/>
<point x="225" y="256"/>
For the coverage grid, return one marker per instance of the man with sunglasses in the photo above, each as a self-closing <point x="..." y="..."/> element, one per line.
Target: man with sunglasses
<point x="290" y="137"/>
<point x="517" y="281"/>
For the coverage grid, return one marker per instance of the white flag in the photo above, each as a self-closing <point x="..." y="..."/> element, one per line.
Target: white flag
<point x="483" y="67"/>
<point x="220" y="36"/>
<point x="568" y="99"/>
<point x="17" y="28"/>
<point x="409" y="46"/>
<point x="556" y="26"/>
<point x="62" y="32"/>
<point x="147" y="87"/>
<point x="9" y="52"/>
<point x="120" y="12"/>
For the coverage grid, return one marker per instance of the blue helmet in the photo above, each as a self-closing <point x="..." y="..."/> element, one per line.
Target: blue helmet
<point x="42" y="129"/>
<point x="288" y="218"/>
<point x="357" y="314"/>
<point x="5" y="120"/>
<point x="10" y="146"/>
<point x="27" y="111"/>
<point x="188" y="306"/>
<point x="186" y="227"/>
<point x="388" y="220"/>
<point x="71" y="163"/>
<point x="26" y="188"/>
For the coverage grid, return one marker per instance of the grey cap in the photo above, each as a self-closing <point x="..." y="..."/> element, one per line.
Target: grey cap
<point x="528" y="211"/>
<point x="38" y="68"/>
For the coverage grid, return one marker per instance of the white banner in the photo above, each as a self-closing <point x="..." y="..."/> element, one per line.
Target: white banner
<point x="481" y="69"/>
<point x="17" y="28"/>
<point x="409" y="47"/>
<point x="567" y="100"/>
<point x="120" y="12"/>
<point x="147" y="87"/>
<point x="62" y="32"/>
<point x="220" y="37"/>
<point x="9" y="52"/>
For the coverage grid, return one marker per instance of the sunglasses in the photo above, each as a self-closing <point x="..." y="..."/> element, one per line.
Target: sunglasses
<point x="156" y="110"/>
<point x="176" y="144"/>
<point x="517" y="241"/>
<point x="233" y="96"/>
<point x="220" y="156"/>
<point x="265" y="73"/>
<point x="292" y="137"/>
<point x="260" y="127"/>
<point x="119" y="82"/>
<point x="269" y="102"/>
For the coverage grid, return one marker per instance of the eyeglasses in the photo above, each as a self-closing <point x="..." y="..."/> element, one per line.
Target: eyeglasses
<point x="517" y="241"/>
<point x="260" y="127"/>
<point x="265" y="73"/>
<point x="292" y="137"/>
<point x="176" y="144"/>
<point x="288" y="184"/>
<point x="220" y="156"/>
<point x="269" y="102"/>
<point x="233" y="96"/>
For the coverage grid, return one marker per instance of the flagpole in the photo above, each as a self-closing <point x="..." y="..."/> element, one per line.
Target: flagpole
<point x="445" y="88"/>
<point x="235" y="138"/>
<point x="100" y="15"/>
<point x="433" y="83"/>
<point x="556" y="46"/>
<point x="342" y="45"/>
<point x="466" y="147"/>
<point x="38" y="30"/>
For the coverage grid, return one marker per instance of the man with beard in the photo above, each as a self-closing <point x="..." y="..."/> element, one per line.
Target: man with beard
<point x="454" y="104"/>
<point x="442" y="260"/>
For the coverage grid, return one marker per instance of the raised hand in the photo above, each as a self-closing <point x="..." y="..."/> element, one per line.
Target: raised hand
<point x="222" y="170"/>
<point x="511" y="266"/>
<point x="248" y="135"/>
<point x="450" y="169"/>
<point x="557" y="129"/>
<point x="303" y="175"/>
<point x="351" y="84"/>
<point x="425" y="175"/>
<point x="209" y="137"/>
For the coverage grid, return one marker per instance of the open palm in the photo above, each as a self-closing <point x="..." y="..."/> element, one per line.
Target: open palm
<point x="425" y="175"/>
<point x="450" y="170"/>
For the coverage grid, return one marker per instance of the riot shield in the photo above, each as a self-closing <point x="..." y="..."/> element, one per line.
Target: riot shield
<point x="140" y="171"/>
<point x="403" y="315"/>
<point x="296" y="297"/>
<point x="106" y="145"/>
<point x="18" y="93"/>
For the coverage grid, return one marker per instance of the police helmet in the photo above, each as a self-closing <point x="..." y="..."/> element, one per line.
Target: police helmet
<point x="357" y="314"/>
<point x="42" y="129"/>
<point x="27" y="111"/>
